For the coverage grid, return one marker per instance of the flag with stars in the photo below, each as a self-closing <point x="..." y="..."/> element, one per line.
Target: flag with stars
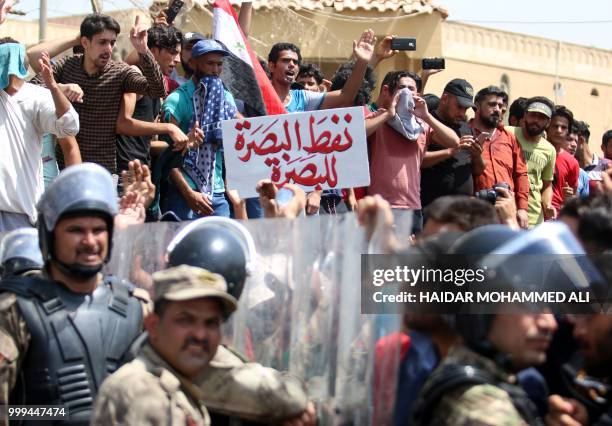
<point x="242" y="74"/>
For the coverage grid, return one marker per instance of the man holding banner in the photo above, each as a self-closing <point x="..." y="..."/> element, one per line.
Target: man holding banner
<point x="198" y="188"/>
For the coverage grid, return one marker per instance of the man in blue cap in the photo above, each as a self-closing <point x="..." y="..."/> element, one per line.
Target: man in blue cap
<point x="197" y="188"/>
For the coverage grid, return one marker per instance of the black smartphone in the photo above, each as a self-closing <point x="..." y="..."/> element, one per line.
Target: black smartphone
<point x="173" y="10"/>
<point x="433" y="63"/>
<point x="403" y="43"/>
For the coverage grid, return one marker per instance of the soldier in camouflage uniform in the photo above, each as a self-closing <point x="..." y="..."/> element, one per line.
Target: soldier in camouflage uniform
<point x="237" y="391"/>
<point x="62" y="332"/>
<point x="476" y="384"/>
<point x="184" y="333"/>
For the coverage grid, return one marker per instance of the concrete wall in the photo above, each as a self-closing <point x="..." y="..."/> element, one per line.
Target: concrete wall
<point x="531" y="66"/>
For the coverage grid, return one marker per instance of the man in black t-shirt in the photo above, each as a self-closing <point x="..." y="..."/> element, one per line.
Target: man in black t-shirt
<point x="448" y="171"/>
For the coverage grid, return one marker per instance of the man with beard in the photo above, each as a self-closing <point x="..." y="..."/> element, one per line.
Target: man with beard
<point x="594" y="334"/>
<point x="284" y="61"/>
<point x="103" y="82"/>
<point x="448" y="171"/>
<point x="477" y="384"/>
<point x="565" y="179"/>
<point x="62" y="333"/>
<point x="501" y="152"/>
<point x="184" y="332"/>
<point x="197" y="188"/>
<point x="540" y="158"/>
<point x="137" y="121"/>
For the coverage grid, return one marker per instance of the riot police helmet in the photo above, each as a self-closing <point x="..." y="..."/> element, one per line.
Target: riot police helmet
<point x="20" y="252"/>
<point x="81" y="190"/>
<point x="220" y="245"/>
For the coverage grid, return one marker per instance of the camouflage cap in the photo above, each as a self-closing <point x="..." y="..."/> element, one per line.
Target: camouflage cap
<point x="188" y="282"/>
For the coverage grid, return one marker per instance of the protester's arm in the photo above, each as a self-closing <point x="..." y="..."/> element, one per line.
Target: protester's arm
<point x="362" y="50"/>
<point x="71" y="151"/>
<point x="196" y="201"/>
<point x="244" y="17"/>
<point x="313" y="202"/>
<point x="444" y="135"/>
<point x="425" y="74"/>
<point x="505" y="206"/>
<point x="5" y="7"/>
<point x="377" y="119"/>
<point x="56" y="117"/>
<point x="475" y="149"/>
<point x="431" y="158"/>
<point x="151" y="83"/>
<point x="521" y="183"/>
<point x="547" y="194"/>
<point x="53" y="48"/>
<point x="383" y="51"/>
<point x="129" y="126"/>
<point x="267" y="198"/>
<point x="351" y="200"/>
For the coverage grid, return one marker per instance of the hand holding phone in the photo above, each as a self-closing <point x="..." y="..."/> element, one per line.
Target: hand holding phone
<point x="173" y="10"/>
<point x="403" y="43"/>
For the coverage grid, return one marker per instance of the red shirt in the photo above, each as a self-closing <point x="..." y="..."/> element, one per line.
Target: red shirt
<point x="567" y="171"/>
<point x="504" y="162"/>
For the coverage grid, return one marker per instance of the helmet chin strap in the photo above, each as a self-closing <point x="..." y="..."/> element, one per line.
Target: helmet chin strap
<point x="77" y="270"/>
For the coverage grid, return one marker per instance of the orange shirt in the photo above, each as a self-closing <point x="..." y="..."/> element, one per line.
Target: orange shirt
<point x="504" y="162"/>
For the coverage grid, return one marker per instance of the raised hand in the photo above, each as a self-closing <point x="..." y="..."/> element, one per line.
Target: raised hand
<point x="138" y="181"/>
<point x="383" y="50"/>
<point x="363" y="49"/>
<point x="46" y="70"/>
<point x="420" y="107"/>
<point x="138" y="36"/>
<point x="72" y="91"/>
<point x="131" y="210"/>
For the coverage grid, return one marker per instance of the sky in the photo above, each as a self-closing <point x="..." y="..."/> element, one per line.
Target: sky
<point x="589" y="25"/>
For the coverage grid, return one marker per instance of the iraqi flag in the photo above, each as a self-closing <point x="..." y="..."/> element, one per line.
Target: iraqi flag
<point x="242" y="73"/>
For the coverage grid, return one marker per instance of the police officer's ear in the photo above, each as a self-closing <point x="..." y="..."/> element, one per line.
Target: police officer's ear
<point x="151" y="325"/>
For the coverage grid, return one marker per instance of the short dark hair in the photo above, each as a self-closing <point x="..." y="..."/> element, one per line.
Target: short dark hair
<point x="279" y="47"/>
<point x="163" y="37"/>
<point x="95" y="23"/>
<point x="311" y="70"/>
<point x="364" y="94"/>
<point x="541" y="99"/>
<point x="465" y="212"/>
<point x="160" y="306"/>
<point x="489" y="90"/>
<point x="606" y="138"/>
<point x="392" y="79"/>
<point x="517" y="108"/>
<point x="7" y="40"/>
<point x="562" y="111"/>
<point x="583" y="129"/>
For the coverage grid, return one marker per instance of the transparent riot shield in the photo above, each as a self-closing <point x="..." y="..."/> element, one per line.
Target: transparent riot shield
<point x="300" y="310"/>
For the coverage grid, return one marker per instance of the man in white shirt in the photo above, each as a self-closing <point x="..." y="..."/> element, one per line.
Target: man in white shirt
<point x="26" y="113"/>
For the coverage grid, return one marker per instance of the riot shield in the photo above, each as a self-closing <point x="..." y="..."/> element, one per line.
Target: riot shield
<point x="300" y="310"/>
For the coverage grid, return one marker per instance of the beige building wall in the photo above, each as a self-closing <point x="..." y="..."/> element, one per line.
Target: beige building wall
<point x="529" y="66"/>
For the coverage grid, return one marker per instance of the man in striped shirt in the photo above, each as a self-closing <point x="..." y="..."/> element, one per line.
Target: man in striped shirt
<point x="103" y="82"/>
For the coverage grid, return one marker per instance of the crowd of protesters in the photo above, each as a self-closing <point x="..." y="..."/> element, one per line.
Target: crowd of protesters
<point x="154" y="127"/>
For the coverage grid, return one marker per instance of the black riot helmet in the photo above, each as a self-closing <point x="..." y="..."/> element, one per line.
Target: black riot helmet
<point x="547" y="258"/>
<point x="218" y="244"/>
<point x="20" y="252"/>
<point x="81" y="190"/>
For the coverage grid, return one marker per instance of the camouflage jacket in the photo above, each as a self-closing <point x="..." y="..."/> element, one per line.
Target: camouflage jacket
<point x="480" y="404"/>
<point x="148" y="391"/>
